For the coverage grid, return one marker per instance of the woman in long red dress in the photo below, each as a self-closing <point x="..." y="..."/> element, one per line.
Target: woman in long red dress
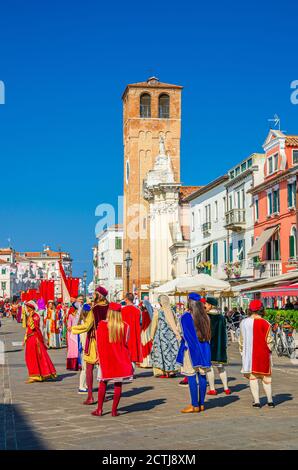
<point x="113" y="356"/>
<point x="39" y="364"/>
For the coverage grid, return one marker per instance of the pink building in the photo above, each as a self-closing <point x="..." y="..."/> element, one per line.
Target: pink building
<point x="274" y="200"/>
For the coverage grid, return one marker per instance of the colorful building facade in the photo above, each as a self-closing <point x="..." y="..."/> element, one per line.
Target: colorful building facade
<point x="274" y="199"/>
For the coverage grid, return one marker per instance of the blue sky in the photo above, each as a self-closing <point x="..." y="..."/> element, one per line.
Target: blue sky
<point x="65" y="65"/>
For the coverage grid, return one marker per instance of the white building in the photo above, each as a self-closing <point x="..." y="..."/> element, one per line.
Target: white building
<point x="239" y="216"/>
<point x="7" y="280"/>
<point x="222" y="223"/>
<point x="35" y="266"/>
<point x="25" y="270"/>
<point x="208" y="236"/>
<point x="7" y="273"/>
<point x="108" y="261"/>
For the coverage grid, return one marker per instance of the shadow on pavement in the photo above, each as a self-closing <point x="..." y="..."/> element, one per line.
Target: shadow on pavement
<point x="230" y="379"/>
<point x="18" y="432"/>
<point x="61" y="377"/>
<point x="148" y="373"/>
<point x="238" y="388"/>
<point x="142" y="406"/>
<point x="221" y="401"/>
<point x="136" y="391"/>
<point x="282" y="397"/>
<point x="13" y="351"/>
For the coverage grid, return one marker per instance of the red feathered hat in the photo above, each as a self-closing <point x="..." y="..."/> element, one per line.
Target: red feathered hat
<point x="102" y="290"/>
<point x="114" y="306"/>
<point x="255" y="305"/>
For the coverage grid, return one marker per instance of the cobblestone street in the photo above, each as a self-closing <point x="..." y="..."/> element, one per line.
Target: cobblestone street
<point x="50" y="415"/>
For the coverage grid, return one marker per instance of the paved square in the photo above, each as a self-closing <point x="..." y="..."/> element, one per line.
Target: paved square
<point x="50" y="415"/>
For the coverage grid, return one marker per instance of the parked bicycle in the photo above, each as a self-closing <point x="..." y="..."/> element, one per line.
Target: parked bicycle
<point x="233" y="328"/>
<point x="284" y="341"/>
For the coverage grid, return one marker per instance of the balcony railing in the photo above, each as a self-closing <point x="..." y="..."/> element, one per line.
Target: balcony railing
<point x="269" y="269"/>
<point x="206" y="227"/>
<point x="235" y="219"/>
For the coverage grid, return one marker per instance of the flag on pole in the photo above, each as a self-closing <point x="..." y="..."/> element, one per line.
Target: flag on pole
<point x="64" y="285"/>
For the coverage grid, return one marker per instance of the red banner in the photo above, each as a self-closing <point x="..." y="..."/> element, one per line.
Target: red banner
<point x="73" y="286"/>
<point x="31" y="294"/>
<point x="47" y="290"/>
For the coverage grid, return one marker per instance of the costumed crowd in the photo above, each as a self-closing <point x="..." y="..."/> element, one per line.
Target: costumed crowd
<point x="110" y="340"/>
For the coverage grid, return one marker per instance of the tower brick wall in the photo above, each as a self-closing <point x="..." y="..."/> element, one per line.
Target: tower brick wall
<point x="141" y="136"/>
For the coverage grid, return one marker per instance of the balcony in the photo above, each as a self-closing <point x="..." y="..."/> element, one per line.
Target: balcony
<point x="268" y="269"/>
<point x="206" y="228"/>
<point x="235" y="220"/>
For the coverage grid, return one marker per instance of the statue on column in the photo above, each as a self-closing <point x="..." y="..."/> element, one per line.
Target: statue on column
<point x="162" y="149"/>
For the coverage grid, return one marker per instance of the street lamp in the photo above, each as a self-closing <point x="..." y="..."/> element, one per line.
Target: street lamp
<point x="102" y="258"/>
<point x="85" y="283"/>
<point x="128" y="262"/>
<point x="101" y="268"/>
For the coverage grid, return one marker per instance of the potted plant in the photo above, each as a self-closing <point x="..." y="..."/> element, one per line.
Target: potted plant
<point x="236" y="268"/>
<point x="228" y="269"/>
<point x="204" y="267"/>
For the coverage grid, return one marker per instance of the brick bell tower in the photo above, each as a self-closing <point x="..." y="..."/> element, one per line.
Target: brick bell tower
<point x="151" y="110"/>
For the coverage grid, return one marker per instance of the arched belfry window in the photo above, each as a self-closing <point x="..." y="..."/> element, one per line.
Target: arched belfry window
<point x="145" y="105"/>
<point x="164" y="106"/>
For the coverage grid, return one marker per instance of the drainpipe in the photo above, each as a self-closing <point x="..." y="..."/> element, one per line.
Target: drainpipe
<point x="228" y="241"/>
<point x="228" y="232"/>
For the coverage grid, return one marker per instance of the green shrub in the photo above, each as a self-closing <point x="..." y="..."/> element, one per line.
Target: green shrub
<point x="282" y="316"/>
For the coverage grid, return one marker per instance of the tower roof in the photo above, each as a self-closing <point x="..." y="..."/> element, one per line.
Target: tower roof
<point x="152" y="82"/>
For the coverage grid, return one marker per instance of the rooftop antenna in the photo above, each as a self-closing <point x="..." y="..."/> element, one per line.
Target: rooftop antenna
<point x="276" y="121"/>
<point x="9" y="242"/>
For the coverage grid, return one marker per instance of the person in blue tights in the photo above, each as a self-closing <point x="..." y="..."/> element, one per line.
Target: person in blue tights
<point x="194" y="354"/>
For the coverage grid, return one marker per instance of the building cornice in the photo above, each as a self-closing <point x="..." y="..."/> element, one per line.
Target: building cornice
<point x="242" y="176"/>
<point x="277" y="179"/>
<point x="205" y="189"/>
<point x="154" y="86"/>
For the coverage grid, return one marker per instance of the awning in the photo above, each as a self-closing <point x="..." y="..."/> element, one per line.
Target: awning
<point x="263" y="238"/>
<point x="203" y="247"/>
<point x="281" y="291"/>
<point x="267" y="283"/>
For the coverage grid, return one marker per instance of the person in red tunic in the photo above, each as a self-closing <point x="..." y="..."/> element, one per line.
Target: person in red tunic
<point x="256" y="343"/>
<point x="113" y="357"/>
<point x="39" y="364"/>
<point x="132" y="316"/>
<point x="145" y="333"/>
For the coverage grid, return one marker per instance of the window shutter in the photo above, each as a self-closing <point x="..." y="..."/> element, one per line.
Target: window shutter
<point x="231" y="252"/>
<point x="215" y="253"/>
<point x="270" y="203"/>
<point x="292" y="246"/>
<point x="289" y="195"/>
<point x="276" y="250"/>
